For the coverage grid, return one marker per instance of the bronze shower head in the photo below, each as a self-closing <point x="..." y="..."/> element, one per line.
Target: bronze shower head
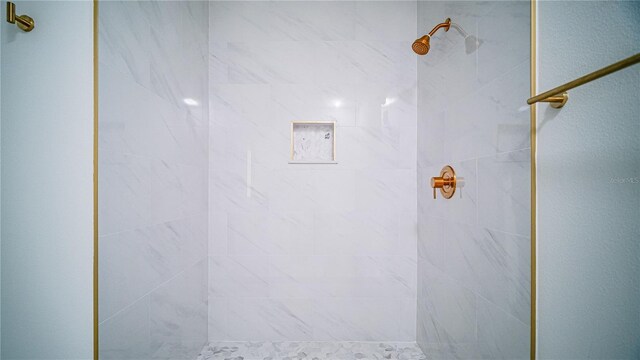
<point x="421" y="46"/>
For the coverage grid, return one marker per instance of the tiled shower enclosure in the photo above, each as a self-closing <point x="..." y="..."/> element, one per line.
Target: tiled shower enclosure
<point x="209" y="235"/>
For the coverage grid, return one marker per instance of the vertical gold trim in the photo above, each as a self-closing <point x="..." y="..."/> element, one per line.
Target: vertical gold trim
<point x="96" y="342"/>
<point x="534" y="197"/>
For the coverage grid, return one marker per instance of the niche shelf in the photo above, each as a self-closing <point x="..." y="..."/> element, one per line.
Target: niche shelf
<point x="313" y="142"/>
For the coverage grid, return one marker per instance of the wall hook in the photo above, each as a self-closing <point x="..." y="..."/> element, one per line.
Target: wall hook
<point x="24" y="22"/>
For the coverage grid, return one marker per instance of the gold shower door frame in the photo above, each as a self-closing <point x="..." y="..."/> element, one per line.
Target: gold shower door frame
<point x="533" y="129"/>
<point x="533" y="144"/>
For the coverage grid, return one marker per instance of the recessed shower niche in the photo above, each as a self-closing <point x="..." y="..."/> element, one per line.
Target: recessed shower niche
<point x="313" y="142"/>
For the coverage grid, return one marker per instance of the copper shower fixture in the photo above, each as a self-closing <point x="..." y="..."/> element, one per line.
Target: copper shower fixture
<point x="421" y="46"/>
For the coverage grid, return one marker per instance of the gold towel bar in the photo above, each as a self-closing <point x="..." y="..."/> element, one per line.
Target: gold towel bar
<point x="559" y="101"/>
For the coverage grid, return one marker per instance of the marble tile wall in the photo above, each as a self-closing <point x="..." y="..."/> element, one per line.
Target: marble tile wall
<point x="474" y="250"/>
<point x="153" y="150"/>
<point x="312" y="252"/>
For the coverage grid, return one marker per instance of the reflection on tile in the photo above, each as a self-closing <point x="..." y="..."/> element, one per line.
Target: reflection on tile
<point x="368" y="319"/>
<point x="135" y="262"/>
<point x="503" y="192"/>
<point x="448" y="306"/>
<point x="126" y="51"/>
<point x="501" y="335"/>
<point x="126" y="335"/>
<point x="492" y="120"/>
<point x="492" y="264"/>
<point x="153" y="178"/>
<point x="178" y="314"/>
<point x="243" y="276"/>
<point x="269" y="318"/>
<point x="473" y="251"/>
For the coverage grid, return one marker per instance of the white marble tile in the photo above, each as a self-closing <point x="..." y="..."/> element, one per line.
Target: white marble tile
<point x="501" y="335"/>
<point x="408" y="234"/>
<point x="153" y="178"/>
<point x="239" y="21"/>
<point x="383" y="62"/>
<point x="135" y="121"/>
<point x="328" y="102"/>
<point x="345" y="232"/>
<point x="178" y="314"/>
<point x="446" y="307"/>
<point x="218" y="63"/>
<point x="270" y="233"/>
<point x="238" y="276"/>
<point x="241" y="148"/>
<point x="386" y="105"/>
<point x="294" y="189"/>
<point x="218" y="230"/>
<point x="290" y="233"/>
<point x="235" y="104"/>
<point x="503" y="192"/>
<point x="492" y="120"/>
<point x="287" y="21"/>
<point x="179" y="74"/>
<point x="246" y="233"/>
<point x="334" y="190"/>
<point x="129" y="178"/>
<point x="383" y="190"/>
<point x="177" y="191"/>
<point x="431" y="127"/>
<point x="451" y="71"/>
<point x="431" y="240"/>
<point x="293" y="277"/>
<point x="492" y="264"/>
<point x="377" y="148"/>
<point x="271" y="62"/>
<point x="470" y="115"/>
<point x="386" y="20"/>
<point x="218" y="319"/>
<point x="135" y="262"/>
<point x="502" y="51"/>
<point x="356" y="233"/>
<point x="343" y="319"/>
<point x="335" y="62"/>
<point x="269" y="319"/>
<point x="309" y="21"/>
<point x="126" y="335"/>
<point x="365" y="276"/>
<point x="124" y="38"/>
<point x="231" y="191"/>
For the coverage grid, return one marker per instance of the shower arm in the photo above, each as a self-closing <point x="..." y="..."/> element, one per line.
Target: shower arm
<point x="446" y="24"/>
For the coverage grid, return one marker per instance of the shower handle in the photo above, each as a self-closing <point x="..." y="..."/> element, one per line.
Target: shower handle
<point x="446" y="182"/>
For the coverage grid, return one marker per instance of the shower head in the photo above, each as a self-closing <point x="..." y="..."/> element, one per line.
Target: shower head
<point x="421" y="46"/>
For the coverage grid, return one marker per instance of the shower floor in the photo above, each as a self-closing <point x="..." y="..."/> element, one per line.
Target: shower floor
<point x="311" y="350"/>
